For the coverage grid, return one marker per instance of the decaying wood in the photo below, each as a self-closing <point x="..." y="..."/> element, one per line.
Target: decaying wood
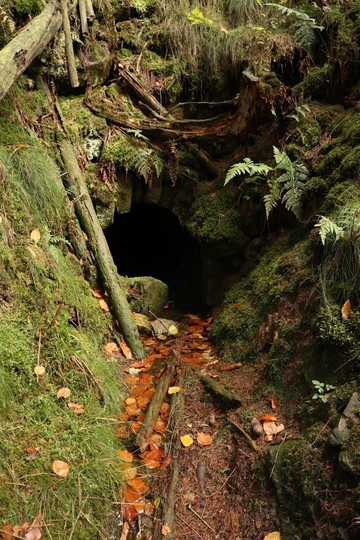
<point x="223" y="395"/>
<point x="252" y="110"/>
<point x="89" y="221"/>
<point x="69" y="49"/>
<point x="203" y="160"/>
<point x="17" y="55"/>
<point x="83" y="17"/>
<point x="90" y="10"/>
<point x="138" y="88"/>
<point x="252" y="443"/>
<point x="157" y="400"/>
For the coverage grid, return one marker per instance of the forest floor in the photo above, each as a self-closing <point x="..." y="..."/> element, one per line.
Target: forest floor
<point x="222" y="489"/>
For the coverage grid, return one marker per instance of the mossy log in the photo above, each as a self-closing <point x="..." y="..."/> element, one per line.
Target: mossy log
<point x="17" y="55"/>
<point x="89" y="221"/>
<point x="224" y="396"/>
<point x="253" y="109"/>
<point x="157" y="400"/>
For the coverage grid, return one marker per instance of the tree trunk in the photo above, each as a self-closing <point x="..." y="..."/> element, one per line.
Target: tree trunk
<point x="17" y="55"/>
<point x="90" y="223"/>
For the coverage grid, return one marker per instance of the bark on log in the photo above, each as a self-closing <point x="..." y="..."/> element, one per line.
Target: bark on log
<point x="83" y="17"/>
<point x="17" y="55"/>
<point x="253" y="110"/>
<point x="202" y="158"/>
<point x="153" y="410"/>
<point x="90" y="224"/>
<point x="69" y="49"/>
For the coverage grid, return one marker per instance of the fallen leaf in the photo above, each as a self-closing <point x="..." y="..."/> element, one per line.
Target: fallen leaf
<point x="129" y="512"/>
<point x="63" y="392"/>
<point x="61" y="468"/>
<point x="135" y="426"/>
<point x="130" y="401"/>
<point x="150" y="463"/>
<point x="130" y="494"/>
<point x="161" y="337"/>
<point x="103" y="304"/>
<point x="165" y="529"/>
<point x="237" y="305"/>
<point x="166" y="462"/>
<point x="273" y="403"/>
<point x="267" y="418"/>
<point x="139" y="485"/>
<point x="125" y="531"/>
<point x="143" y="402"/>
<point x="76" y="407"/>
<point x="4" y="529"/>
<point x="111" y="347"/>
<point x="39" y="370"/>
<point x="33" y="450"/>
<point x="126" y="350"/>
<point x="35" y="235"/>
<point x="231" y="367"/>
<point x="273" y="536"/>
<point x="131" y="379"/>
<point x="186" y="440"/>
<point x="224" y="30"/>
<point x="35" y="531"/>
<point x="174" y="389"/>
<point x="204" y="438"/>
<point x="345" y="310"/>
<point x="130" y="473"/>
<point x="160" y="425"/>
<point x="125" y="455"/>
<point x="97" y="293"/>
<point x="123" y="417"/>
<point x="172" y="330"/>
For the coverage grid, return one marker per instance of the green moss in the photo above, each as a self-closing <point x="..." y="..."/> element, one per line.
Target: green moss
<point x="218" y="220"/>
<point x="79" y="120"/>
<point x="316" y="79"/>
<point x="28" y="7"/>
<point x="306" y="133"/>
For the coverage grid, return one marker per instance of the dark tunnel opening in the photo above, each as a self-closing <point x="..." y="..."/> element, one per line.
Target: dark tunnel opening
<point x="150" y="241"/>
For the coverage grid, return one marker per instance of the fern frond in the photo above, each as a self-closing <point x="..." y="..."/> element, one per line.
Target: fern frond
<point x="157" y="162"/>
<point x="246" y="167"/>
<point x="327" y="228"/>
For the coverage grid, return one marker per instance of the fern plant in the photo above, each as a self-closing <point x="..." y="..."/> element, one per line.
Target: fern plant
<point x="287" y="188"/>
<point x="304" y="27"/>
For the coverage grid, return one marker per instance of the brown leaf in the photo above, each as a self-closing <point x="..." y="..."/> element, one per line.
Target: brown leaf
<point x="35" y="235"/>
<point x="97" y="293"/>
<point x="76" y="407"/>
<point x="35" y="531"/>
<point x="33" y="450"/>
<point x="125" y="350"/>
<point x="63" y="392"/>
<point x="273" y="403"/>
<point x="129" y="512"/>
<point x="61" y="468"/>
<point x="231" y="367"/>
<point x="139" y="485"/>
<point x="204" y="438"/>
<point x="267" y="418"/>
<point x="111" y="347"/>
<point x="103" y="304"/>
<point x="165" y="529"/>
<point x="345" y="310"/>
<point x="166" y="462"/>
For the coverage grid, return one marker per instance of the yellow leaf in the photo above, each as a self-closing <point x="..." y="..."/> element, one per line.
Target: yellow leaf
<point x="35" y="235"/>
<point x="130" y="473"/>
<point x="75" y="407"/>
<point x="172" y="330"/>
<point x="345" y="310"/>
<point x="103" y="305"/>
<point x="174" y="389"/>
<point x="39" y="370"/>
<point x="165" y="529"/>
<point x="63" y="392"/>
<point x="111" y="347"/>
<point x="273" y="536"/>
<point x="186" y="440"/>
<point x="61" y="468"/>
<point x="130" y="401"/>
<point x="204" y="438"/>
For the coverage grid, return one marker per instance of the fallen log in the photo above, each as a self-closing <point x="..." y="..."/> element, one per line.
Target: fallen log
<point x="226" y="397"/>
<point x="17" y="55"/>
<point x="89" y="221"/>
<point x="69" y="49"/>
<point x="157" y="400"/>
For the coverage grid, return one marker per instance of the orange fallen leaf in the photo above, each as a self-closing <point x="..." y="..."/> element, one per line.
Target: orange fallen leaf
<point x="131" y="495"/>
<point x="103" y="304"/>
<point x="122" y="432"/>
<point x="97" y="293"/>
<point x="133" y="410"/>
<point x="138" y="390"/>
<point x="123" y="417"/>
<point x="149" y="393"/>
<point x="76" y="407"/>
<point x="111" y="347"/>
<point x="204" y="438"/>
<point x="61" y="468"/>
<point x="4" y="529"/>
<point x="231" y="367"/>
<point x="156" y="438"/>
<point x="131" y="379"/>
<point x="166" y="462"/>
<point x="125" y="455"/>
<point x="135" y="426"/>
<point x="160" y="425"/>
<point x="129" y="512"/>
<point x="130" y="401"/>
<point x="267" y="418"/>
<point x="139" y="485"/>
<point x="130" y="473"/>
<point x="161" y="337"/>
<point x="165" y="529"/>
<point x="150" y="463"/>
<point x="143" y="402"/>
<point x="126" y="350"/>
<point x="345" y="310"/>
<point x="33" y="450"/>
<point x="63" y="392"/>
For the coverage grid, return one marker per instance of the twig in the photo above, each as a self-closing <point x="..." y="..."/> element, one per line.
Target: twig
<point x="78" y="517"/>
<point x="252" y="443"/>
<point x="276" y="455"/>
<point x="198" y="515"/>
<point x="54" y="317"/>
<point x="190" y="527"/>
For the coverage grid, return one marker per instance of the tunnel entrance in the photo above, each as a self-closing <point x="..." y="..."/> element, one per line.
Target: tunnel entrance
<point x="149" y="241"/>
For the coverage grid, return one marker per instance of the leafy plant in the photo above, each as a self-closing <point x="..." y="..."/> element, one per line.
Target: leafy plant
<point x="301" y="110"/>
<point x="197" y="17"/>
<point x="287" y="188"/>
<point x="321" y="390"/>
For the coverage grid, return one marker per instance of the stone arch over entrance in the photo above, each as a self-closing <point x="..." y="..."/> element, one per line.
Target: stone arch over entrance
<point x="150" y="241"/>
